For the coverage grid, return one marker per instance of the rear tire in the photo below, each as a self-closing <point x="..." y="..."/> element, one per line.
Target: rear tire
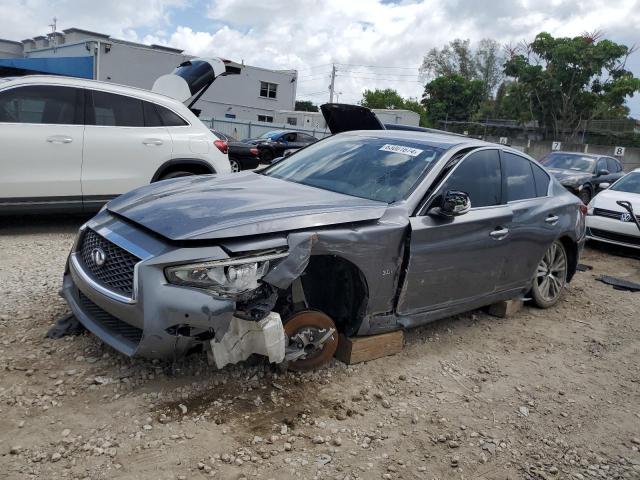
<point x="585" y="195"/>
<point x="551" y="276"/>
<point x="176" y="174"/>
<point x="266" y="156"/>
<point x="235" y="165"/>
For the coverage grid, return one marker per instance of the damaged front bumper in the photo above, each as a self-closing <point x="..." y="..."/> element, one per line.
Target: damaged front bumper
<point x="163" y="320"/>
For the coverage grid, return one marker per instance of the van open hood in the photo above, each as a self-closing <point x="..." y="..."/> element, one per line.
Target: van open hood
<point x="342" y="117"/>
<point x="193" y="77"/>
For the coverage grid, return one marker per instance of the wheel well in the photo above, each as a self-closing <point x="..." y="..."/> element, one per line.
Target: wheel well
<point x="197" y="167"/>
<point x="571" y="248"/>
<point x="338" y="288"/>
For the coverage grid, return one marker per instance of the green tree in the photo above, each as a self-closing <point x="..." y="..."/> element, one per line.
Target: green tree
<point x="305" y="106"/>
<point x="452" y="97"/>
<point x="387" y="98"/>
<point x="459" y="58"/>
<point x="390" y="98"/>
<point x="568" y="82"/>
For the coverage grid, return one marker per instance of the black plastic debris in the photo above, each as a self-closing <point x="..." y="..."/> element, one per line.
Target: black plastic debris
<point x="65" y="326"/>
<point x="619" y="283"/>
<point x="582" y="267"/>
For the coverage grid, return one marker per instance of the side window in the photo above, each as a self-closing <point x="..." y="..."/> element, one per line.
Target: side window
<point x="151" y="116"/>
<point x="170" y="119"/>
<point x="613" y="166"/>
<point x="289" y="137"/>
<point x="110" y="109"/>
<point x="43" y="104"/>
<point x="519" y="179"/>
<point x="542" y="180"/>
<point x="479" y="177"/>
<point x="601" y="165"/>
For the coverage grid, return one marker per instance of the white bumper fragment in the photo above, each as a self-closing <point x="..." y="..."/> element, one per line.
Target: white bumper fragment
<point x="246" y="337"/>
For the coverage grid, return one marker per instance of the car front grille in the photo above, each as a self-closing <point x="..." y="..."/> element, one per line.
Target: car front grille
<point x="602" y="212"/>
<point x="118" y="328"/>
<point x="616" y="237"/>
<point x="116" y="273"/>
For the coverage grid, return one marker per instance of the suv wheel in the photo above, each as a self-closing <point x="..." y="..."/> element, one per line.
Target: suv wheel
<point x="551" y="276"/>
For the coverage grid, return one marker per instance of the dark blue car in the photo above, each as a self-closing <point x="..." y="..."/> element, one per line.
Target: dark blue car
<point x="273" y="144"/>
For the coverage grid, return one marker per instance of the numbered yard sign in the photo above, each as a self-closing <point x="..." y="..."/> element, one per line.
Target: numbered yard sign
<point x="619" y="151"/>
<point x="555" y="146"/>
<point x="504" y="140"/>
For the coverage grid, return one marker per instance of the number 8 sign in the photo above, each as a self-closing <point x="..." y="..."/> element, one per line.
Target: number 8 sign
<point x="619" y="151"/>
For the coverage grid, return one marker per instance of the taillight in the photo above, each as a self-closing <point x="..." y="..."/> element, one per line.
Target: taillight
<point x="254" y="151"/>
<point x="222" y="145"/>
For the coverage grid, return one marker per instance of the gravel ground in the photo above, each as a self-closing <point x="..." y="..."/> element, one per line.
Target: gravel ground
<point x="545" y="394"/>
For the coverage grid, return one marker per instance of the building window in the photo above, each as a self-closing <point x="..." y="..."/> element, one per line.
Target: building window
<point x="292" y="120"/>
<point x="268" y="90"/>
<point x="229" y="115"/>
<point x="265" y="118"/>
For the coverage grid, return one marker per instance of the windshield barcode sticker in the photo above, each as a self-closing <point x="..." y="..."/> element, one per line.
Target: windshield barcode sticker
<point x="413" y="152"/>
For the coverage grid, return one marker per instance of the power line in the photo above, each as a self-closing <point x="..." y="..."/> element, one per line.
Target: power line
<point x="377" y="66"/>
<point x="381" y="79"/>
<point x="376" y="73"/>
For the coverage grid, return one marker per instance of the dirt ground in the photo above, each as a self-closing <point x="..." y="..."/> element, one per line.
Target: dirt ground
<point x="545" y="394"/>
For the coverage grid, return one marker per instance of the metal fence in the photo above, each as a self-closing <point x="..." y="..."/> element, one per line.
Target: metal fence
<point x="241" y="129"/>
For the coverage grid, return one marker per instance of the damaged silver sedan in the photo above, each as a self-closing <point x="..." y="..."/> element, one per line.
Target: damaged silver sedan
<point x="361" y="233"/>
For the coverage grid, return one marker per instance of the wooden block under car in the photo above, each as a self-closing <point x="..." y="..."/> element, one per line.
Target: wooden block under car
<point x="362" y="349"/>
<point x="505" y="309"/>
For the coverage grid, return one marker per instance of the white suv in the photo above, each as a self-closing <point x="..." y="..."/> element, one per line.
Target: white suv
<point x="71" y="144"/>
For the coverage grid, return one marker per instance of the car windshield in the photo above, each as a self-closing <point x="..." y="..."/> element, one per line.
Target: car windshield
<point x="271" y="134"/>
<point x="568" y="161"/>
<point x="382" y="169"/>
<point x="629" y="183"/>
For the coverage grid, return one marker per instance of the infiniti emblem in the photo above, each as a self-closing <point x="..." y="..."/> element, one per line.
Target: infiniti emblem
<point x="625" y="217"/>
<point x="98" y="256"/>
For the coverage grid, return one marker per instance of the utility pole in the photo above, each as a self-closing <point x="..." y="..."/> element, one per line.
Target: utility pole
<point x="333" y="82"/>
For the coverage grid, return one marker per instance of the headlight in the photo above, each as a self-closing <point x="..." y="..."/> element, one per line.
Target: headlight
<point x="223" y="277"/>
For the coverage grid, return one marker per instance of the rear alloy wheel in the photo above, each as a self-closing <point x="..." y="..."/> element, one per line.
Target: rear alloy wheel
<point x="235" y="166"/>
<point x="585" y="195"/>
<point x="551" y="276"/>
<point x="312" y="340"/>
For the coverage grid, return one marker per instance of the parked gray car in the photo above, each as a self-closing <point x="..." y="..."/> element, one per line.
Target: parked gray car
<point x="360" y="233"/>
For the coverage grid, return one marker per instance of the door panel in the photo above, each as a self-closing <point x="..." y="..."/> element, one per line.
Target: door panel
<point x="452" y="261"/>
<point x="120" y="152"/>
<point x="41" y="136"/>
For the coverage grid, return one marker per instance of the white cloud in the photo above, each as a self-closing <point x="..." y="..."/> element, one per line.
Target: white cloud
<point x="310" y="34"/>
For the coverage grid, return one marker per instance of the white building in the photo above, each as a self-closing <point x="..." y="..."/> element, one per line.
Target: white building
<point x="315" y="120"/>
<point x="253" y="95"/>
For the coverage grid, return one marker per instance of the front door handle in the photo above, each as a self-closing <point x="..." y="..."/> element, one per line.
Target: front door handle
<point x="499" y="233"/>
<point x="551" y="219"/>
<point x="152" y="142"/>
<point x="59" y="139"/>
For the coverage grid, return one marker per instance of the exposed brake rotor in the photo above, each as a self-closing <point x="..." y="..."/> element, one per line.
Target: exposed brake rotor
<point x="312" y="339"/>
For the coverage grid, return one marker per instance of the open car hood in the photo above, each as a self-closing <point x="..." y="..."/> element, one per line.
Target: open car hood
<point x="212" y="207"/>
<point x="193" y="77"/>
<point x="342" y="117"/>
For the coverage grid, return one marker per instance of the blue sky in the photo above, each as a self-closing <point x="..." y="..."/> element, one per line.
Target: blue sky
<point x="386" y="39"/>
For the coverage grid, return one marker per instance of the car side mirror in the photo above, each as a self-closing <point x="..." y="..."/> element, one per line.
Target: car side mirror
<point x="602" y="172"/>
<point x="454" y="203"/>
<point x="604" y="185"/>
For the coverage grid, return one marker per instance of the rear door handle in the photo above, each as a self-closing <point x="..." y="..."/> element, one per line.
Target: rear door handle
<point x="551" y="219"/>
<point x="59" y="139"/>
<point x="499" y="233"/>
<point x="152" y="141"/>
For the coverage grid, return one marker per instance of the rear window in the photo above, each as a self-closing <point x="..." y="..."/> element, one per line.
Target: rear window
<point x="519" y="177"/>
<point x="170" y="119"/>
<point x="382" y="169"/>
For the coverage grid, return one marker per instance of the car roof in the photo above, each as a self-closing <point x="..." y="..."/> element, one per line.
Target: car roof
<point x="433" y="139"/>
<point x="579" y="154"/>
<point x="92" y="84"/>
